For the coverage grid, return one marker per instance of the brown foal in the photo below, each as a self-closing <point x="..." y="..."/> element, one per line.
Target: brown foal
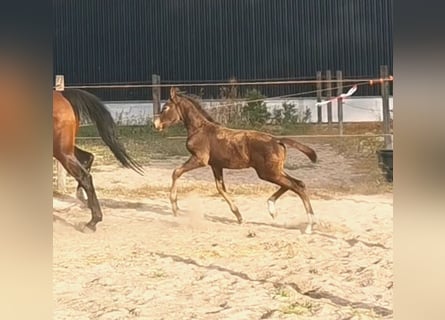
<point x="219" y="147"/>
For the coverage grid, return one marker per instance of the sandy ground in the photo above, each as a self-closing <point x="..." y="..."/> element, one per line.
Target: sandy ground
<point x="144" y="263"/>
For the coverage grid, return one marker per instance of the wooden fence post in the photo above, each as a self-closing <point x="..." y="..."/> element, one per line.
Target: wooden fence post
<point x="385" y="106"/>
<point x="60" y="170"/>
<point x="60" y="83"/>
<point x="329" y="95"/>
<point x="340" y="101"/>
<point x="319" y="110"/>
<point x="156" y="93"/>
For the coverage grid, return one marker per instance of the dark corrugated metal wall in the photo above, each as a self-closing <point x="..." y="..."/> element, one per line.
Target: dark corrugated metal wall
<point x="115" y="41"/>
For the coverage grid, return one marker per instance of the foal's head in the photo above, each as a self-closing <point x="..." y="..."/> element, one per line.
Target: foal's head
<point x="170" y="113"/>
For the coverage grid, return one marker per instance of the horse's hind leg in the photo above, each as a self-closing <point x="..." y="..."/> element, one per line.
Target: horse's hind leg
<point x="86" y="160"/>
<point x="85" y="180"/>
<point x="219" y="180"/>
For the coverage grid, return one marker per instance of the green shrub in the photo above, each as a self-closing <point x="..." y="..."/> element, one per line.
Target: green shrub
<point x="289" y="115"/>
<point x="255" y="112"/>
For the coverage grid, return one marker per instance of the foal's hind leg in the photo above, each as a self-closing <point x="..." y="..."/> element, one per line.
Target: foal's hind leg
<point x="300" y="189"/>
<point x="272" y="199"/>
<point x="218" y="174"/>
<point x="297" y="186"/>
<point x="86" y="160"/>
<point x="190" y="164"/>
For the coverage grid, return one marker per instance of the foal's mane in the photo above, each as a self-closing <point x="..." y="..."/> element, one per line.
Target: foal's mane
<point x="198" y="107"/>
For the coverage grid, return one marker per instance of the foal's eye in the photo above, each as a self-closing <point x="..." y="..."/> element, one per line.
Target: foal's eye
<point x="165" y="108"/>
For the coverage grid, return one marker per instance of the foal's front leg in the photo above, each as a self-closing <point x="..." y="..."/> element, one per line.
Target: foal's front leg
<point x="219" y="180"/>
<point x="192" y="163"/>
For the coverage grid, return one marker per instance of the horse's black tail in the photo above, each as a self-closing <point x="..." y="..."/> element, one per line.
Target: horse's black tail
<point x="309" y="152"/>
<point x="88" y="105"/>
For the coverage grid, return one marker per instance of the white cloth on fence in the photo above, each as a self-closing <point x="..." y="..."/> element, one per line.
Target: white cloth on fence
<point x="343" y="95"/>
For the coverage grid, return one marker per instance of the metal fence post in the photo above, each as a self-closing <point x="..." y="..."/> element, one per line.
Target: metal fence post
<point x="329" y="95"/>
<point x="156" y="93"/>
<point x="340" y="101"/>
<point x="385" y="106"/>
<point x="319" y="110"/>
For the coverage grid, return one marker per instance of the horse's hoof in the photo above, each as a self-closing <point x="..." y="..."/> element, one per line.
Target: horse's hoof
<point x="308" y="229"/>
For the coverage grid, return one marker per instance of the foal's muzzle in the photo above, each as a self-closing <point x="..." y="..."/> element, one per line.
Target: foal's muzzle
<point x="157" y="123"/>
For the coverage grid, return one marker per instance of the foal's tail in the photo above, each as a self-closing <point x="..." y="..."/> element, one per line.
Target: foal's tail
<point x="88" y="105"/>
<point x="310" y="153"/>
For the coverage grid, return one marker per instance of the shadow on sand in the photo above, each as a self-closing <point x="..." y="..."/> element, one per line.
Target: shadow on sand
<point x="315" y="293"/>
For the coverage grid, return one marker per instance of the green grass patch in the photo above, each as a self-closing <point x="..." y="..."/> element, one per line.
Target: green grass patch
<point x="304" y="308"/>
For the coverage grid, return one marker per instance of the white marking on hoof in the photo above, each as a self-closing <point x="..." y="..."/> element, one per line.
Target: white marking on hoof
<point x="308" y="229"/>
<point x="272" y="209"/>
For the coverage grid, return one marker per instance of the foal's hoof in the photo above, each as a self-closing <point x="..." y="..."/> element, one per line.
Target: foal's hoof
<point x="272" y="209"/>
<point x="240" y="220"/>
<point x="308" y="229"/>
<point x="175" y="209"/>
<point x="175" y="213"/>
<point x="89" y="228"/>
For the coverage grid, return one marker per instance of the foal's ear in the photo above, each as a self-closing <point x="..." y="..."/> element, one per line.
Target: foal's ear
<point x="173" y="95"/>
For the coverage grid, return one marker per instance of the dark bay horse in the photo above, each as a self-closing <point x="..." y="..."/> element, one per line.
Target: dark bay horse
<point x="68" y="108"/>
<point x="212" y="144"/>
